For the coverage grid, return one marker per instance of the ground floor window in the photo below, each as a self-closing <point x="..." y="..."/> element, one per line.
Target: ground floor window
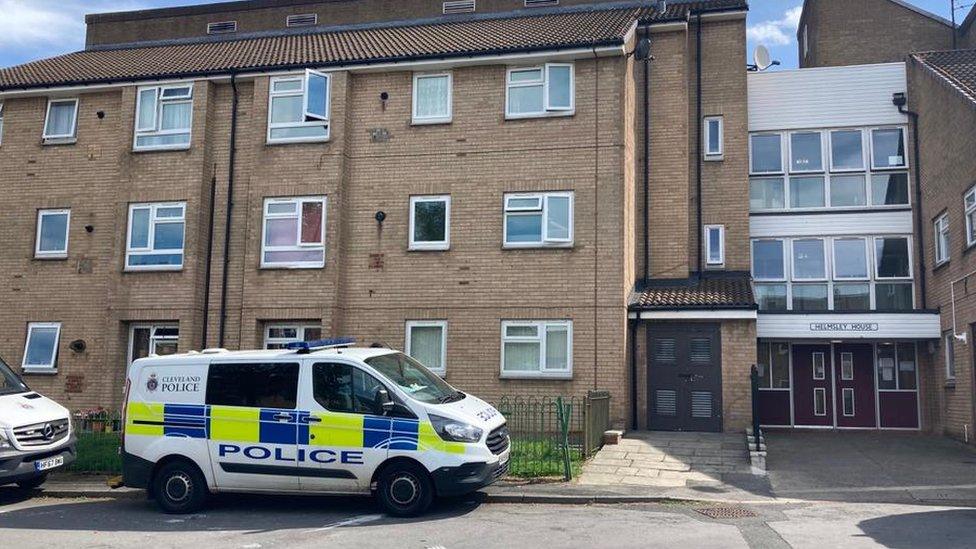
<point x="278" y="336"/>
<point x="153" y="340"/>
<point x="773" y="363"/>
<point x="426" y="342"/>
<point x="897" y="369"/>
<point x="41" y="348"/>
<point x="537" y="349"/>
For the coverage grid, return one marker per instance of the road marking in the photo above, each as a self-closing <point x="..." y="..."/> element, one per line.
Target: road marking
<point x="355" y="521"/>
<point x="876" y="489"/>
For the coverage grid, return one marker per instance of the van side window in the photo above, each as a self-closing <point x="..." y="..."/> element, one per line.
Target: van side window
<point x="255" y="385"/>
<point x="345" y="388"/>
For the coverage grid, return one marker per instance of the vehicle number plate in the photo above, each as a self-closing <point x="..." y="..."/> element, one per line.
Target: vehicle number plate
<point x="49" y="463"/>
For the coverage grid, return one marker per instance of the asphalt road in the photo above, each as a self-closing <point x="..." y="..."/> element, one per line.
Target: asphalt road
<point x="254" y="522"/>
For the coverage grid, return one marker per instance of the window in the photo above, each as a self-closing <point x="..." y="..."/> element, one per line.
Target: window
<point x="941" y="231"/>
<point x="773" y="362"/>
<point x="893" y="297"/>
<point x="426" y="342"/>
<point x="538" y="220"/>
<point x="771" y="297"/>
<point x="253" y="385"/>
<point x="806" y="152"/>
<point x="810" y="297"/>
<point x="155" y="237"/>
<point x="889" y="189"/>
<point x="847" y="366"/>
<point x="948" y="341"/>
<point x="153" y="340"/>
<point x="888" y="148"/>
<point x="432" y="98"/>
<point x="819" y="366"/>
<point x="715" y="244"/>
<point x="430" y="222"/>
<point x="897" y="372"/>
<point x="41" y="350"/>
<point x="768" y="260"/>
<point x="346" y="389"/>
<point x="850" y="259"/>
<point x="62" y="120"/>
<point x="222" y="27"/>
<point x="714" y="138"/>
<point x="294" y="233"/>
<point x="809" y="262"/>
<point x="298" y="108"/>
<point x="278" y="336"/>
<point x="848" y="396"/>
<point x="846" y="150"/>
<point x="766" y="153"/>
<point x="807" y="192"/>
<point x="852" y="297"/>
<point x="848" y="191"/>
<point x="892" y="257"/>
<point x="302" y="20"/>
<point x="164" y="115"/>
<point x="766" y="194"/>
<point x="540" y="91"/>
<point x="537" y="349"/>
<point x="969" y="203"/>
<point x="820" y="401"/>
<point x="52" y="233"/>
<point x="1" y="123"/>
<point x="458" y="6"/>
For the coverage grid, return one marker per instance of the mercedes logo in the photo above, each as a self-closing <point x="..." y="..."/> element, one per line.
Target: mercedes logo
<point x="48" y="431"/>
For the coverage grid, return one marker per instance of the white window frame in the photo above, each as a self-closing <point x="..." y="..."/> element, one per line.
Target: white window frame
<point x="793" y="269"/>
<point x="969" y="208"/>
<point x="822" y="391"/>
<point x="783" y="245"/>
<point x="542" y="327"/>
<point x="430" y="245"/>
<point x="904" y="141"/>
<point x="61" y="138"/>
<point x="789" y="155"/>
<point x="299" y="202"/>
<point x="940" y="232"/>
<point x="547" y="109"/>
<point x="299" y="327"/>
<point x="442" y="119"/>
<point x="877" y="265"/>
<point x="543" y="197"/>
<point x="843" y="399"/>
<point x="709" y="154"/>
<point x="442" y="324"/>
<point x="867" y="259"/>
<point x="153" y="338"/>
<point x="865" y="149"/>
<point x="52" y="254"/>
<point x="783" y="159"/>
<point x="949" y="340"/>
<point x="822" y="375"/>
<point x="720" y="260"/>
<point x="157" y="118"/>
<point x="52" y="366"/>
<point x="303" y="92"/>
<point x="847" y="366"/>
<point x="149" y="249"/>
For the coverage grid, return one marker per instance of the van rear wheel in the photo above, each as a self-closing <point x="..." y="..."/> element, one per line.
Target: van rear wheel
<point x="405" y="490"/>
<point x="179" y="488"/>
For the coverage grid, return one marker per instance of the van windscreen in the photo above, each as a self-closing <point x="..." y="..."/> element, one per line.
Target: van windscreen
<point x="415" y="379"/>
<point x="10" y="384"/>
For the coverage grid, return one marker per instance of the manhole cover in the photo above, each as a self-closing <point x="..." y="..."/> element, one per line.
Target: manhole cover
<point x="726" y="512"/>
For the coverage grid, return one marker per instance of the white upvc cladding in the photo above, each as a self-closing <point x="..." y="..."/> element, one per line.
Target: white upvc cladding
<point x="832" y="224"/>
<point x="826" y="97"/>
<point x="921" y="325"/>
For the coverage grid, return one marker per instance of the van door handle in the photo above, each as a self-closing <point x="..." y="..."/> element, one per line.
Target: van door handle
<point x="282" y="416"/>
<point x="312" y="419"/>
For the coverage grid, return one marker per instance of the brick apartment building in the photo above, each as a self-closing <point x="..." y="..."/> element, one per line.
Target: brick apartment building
<point x="464" y="180"/>
<point x="940" y="90"/>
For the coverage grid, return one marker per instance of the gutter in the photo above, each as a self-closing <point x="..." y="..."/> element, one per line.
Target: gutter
<point x="232" y="157"/>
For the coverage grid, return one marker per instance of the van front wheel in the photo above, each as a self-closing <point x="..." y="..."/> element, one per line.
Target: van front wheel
<point x="180" y="488"/>
<point x="405" y="490"/>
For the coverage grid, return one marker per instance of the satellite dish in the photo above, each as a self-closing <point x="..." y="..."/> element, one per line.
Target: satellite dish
<point x="761" y="58"/>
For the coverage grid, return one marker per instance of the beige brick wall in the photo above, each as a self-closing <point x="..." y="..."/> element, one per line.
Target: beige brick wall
<point x="946" y="119"/>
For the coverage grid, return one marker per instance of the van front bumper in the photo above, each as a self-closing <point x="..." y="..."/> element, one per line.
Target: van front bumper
<point x="466" y="478"/>
<point x="20" y="467"/>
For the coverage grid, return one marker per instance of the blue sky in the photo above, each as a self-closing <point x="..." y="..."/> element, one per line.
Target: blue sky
<point x="35" y="29"/>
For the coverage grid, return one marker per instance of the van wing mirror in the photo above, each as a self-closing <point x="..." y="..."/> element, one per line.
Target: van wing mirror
<point x="384" y="401"/>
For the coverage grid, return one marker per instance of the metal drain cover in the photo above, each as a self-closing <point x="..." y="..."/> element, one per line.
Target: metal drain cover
<point x="726" y="512"/>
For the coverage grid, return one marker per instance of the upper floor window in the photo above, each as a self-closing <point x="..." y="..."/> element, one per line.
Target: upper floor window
<point x="294" y="233"/>
<point x="164" y="115"/>
<point x="430" y="222"/>
<point x="941" y="226"/>
<point x="155" y="236"/>
<point x="537" y="349"/>
<point x="806" y="152"/>
<point x="537" y="220"/>
<point x="715" y="245"/>
<point x="714" y="140"/>
<point x="62" y="120"/>
<point x="949" y="341"/>
<point x="41" y="349"/>
<point x="846" y="150"/>
<point x="540" y="91"/>
<point x="432" y="98"/>
<point x="888" y="148"/>
<point x="52" y="234"/>
<point x="298" y="108"/>
<point x="766" y="153"/>
<point x="969" y="203"/>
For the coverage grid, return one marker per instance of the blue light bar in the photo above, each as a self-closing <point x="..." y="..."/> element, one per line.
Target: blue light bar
<point x="306" y="346"/>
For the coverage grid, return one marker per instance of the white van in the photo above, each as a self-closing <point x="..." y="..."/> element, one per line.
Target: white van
<point x="35" y="433"/>
<point x="320" y="417"/>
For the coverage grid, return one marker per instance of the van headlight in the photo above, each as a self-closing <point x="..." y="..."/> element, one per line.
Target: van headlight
<point x="453" y="430"/>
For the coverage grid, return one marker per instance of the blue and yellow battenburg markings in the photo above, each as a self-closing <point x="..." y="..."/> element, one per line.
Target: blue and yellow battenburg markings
<point x="262" y="425"/>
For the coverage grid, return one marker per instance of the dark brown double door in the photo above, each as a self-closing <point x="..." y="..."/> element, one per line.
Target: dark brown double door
<point x="833" y="385"/>
<point x="684" y="377"/>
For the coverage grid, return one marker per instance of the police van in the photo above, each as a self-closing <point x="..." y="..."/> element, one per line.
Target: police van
<point x="321" y="418"/>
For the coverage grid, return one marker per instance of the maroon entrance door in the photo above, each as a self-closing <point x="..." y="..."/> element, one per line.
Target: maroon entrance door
<point x="854" y="377"/>
<point x="812" y="387"/>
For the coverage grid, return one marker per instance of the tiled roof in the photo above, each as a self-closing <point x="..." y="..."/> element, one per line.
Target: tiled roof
<point x="726" y="292"/>
<point x="440" y="38"/>
<point x="958" y="67"/>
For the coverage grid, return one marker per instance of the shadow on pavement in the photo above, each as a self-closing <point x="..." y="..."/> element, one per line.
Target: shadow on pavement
<point x="943" y="529"/>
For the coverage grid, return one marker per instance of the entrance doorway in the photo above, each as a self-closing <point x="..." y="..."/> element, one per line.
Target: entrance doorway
<point x="812" y="387"/>
<point x="854" y="379"/>
<point x="684" y="377"/>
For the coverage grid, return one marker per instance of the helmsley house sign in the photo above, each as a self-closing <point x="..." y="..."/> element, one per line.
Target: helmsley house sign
<point x="843" y="327"/>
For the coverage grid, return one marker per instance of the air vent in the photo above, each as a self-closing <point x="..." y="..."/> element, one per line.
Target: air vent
<point x="667" y="403"/>
<point x="540" y="3"/>
<point x="222" y="27"/>
<point x="302" y="20"/>
<point x="459" y="6"/>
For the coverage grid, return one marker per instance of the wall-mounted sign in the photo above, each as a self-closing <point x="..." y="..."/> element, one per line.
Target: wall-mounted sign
<point x="843" y="327"/>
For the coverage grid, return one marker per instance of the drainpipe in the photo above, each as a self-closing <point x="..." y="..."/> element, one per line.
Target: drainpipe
<point x="632" y="324"/>
<point x="209" y="264"/>
<point x="698" y="147"/>
<point x="596" y="215"/>
<point x="900" y="100"/>
<point x="647" y="162"/>
<point x="230" y="207"/>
